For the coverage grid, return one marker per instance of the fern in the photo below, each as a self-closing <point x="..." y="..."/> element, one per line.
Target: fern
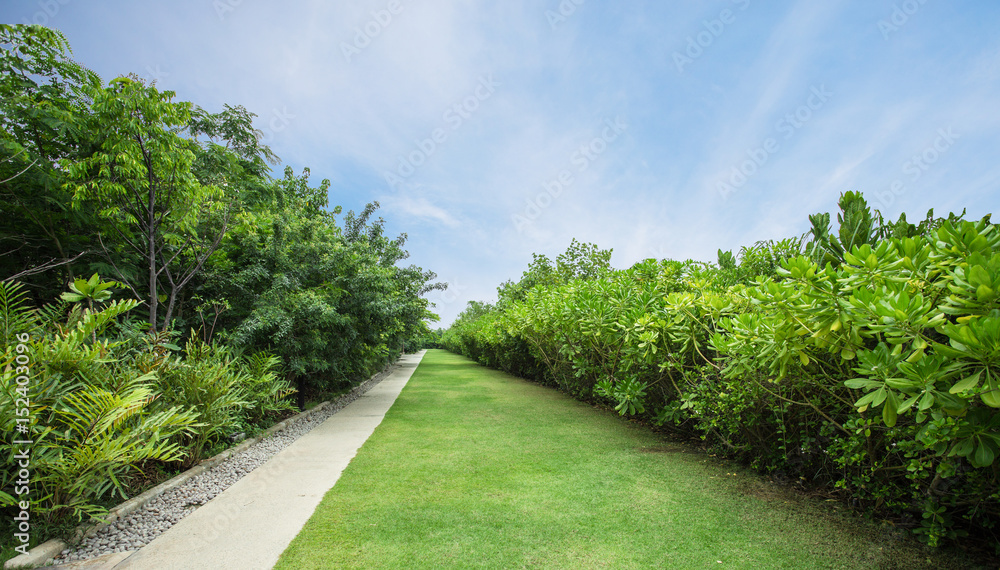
<point x="266" y="392"/>
<point x="209" y="383"/>
<point x="91" y="324"/>
<point x="51" y="314"/>
<point x="96" y="413"/>
<point x="96" y="436"/>
<point x="15" y="316"/>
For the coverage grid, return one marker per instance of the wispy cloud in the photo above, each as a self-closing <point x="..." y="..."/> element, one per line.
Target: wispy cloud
<point x="652" y="192"/>
<point x="421" y="209"/>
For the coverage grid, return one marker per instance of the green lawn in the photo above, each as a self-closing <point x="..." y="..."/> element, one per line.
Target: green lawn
<point x="475" y="468"/>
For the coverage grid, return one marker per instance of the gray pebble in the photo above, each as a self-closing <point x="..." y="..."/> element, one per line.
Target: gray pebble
<point x="140" y="527"/>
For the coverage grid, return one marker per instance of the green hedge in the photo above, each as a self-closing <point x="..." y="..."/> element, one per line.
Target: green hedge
<point x="865" y="360"/>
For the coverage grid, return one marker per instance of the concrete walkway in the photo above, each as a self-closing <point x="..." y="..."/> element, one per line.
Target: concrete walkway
<point x="250" y="524"/>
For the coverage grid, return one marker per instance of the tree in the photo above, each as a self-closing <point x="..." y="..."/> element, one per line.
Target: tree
<point x="141" y="180"/>
<point x="280" y="271"/>
<point x="43" y="112"/>
<point x="232" y="156"/>
<point x="330" y="301"/>
<point x="579" y="261"/>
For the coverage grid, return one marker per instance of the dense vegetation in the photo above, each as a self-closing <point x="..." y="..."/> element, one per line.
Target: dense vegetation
<point x="159" y="290"/>
<point x="862" y="359"/>
<point x="535" y="480"/>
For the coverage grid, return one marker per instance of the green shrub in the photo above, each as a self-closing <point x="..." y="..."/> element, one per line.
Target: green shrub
<point x="209" y="383"/>
<point x="868" y="364"/>
<point x="91" y="418"/>
<point x="266" y="393"/>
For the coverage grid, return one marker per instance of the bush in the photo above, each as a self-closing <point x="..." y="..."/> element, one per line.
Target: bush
<point x="208" y="383"/>
<point x="90" y="417"/>
<point x="866" y="360"/>
<point x="266" y="393"/>
<point x="106" y="398"/>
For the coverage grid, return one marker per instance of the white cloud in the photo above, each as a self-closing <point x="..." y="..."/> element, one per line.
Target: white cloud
<point x="420" y="208"/>
<point x="654" y="192"/>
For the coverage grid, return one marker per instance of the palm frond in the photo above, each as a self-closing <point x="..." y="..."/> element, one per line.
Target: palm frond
<point x="15" y="316"/>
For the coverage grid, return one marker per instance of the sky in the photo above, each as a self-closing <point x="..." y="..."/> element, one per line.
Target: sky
<point x="491" y="130"/>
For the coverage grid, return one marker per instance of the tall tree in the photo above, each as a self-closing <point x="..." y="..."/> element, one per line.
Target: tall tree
<point x="43" y="113"/>
<point x="141" y="180"/>
<point x="332" y="302"/>
<point x="231" y="155"/>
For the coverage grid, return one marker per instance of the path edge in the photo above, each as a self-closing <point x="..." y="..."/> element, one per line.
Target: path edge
<point x="43" y="554"/>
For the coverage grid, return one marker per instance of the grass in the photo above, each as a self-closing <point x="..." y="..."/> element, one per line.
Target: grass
<point x="475" y="468"/>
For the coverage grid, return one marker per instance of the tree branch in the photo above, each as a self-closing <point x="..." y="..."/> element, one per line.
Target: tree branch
<point x="26" y="168"/>
<point x="44" y="267"/>
<point x="121" y="275"/>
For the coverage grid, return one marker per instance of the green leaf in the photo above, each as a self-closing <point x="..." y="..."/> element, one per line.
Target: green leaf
<point x="907" y="404"/>
<point x="869" y="398"/>
<point x="880" y="395"/>
<point x="901" y="383"/>
<point x="978" y="276"/>
<point x="926" y="401"/>
<point x="889" y="410"/>
<point x="984" y="293"/>
<point x="984" y="455"/>
<point x="859" y="383"/>
<point x="967" y="383"/>
<point x="963" y="447"/>
<point x="991" y="395"/>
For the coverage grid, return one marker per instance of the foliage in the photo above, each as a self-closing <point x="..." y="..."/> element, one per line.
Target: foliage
<point x="177" y="203"/>
<point x="209" y="383"/>
<point x="423" y="339"/>
<point x="265" y="391"/>
<point x="331" y="302"/>
<point x="867" y="361"/>
<point x="92" y="418"/>
<point x="43" y="109"/>
<point x="579" y="261"/>
<point x="106" y="397"/>
<point x="140" y="180"/>
<point x="89" y="290"/>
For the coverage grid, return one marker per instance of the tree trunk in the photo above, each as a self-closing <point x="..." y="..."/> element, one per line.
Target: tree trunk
<point x="170" y="308"/>
<point x="154" y="298"/>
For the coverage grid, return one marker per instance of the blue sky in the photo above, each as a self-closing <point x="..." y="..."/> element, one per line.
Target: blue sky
<point x="490" y="130"/>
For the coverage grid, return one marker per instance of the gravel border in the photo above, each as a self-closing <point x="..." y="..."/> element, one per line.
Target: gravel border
<point x="137" y="522"/>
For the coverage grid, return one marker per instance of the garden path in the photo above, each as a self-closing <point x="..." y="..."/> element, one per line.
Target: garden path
<point x="250" y="524"/>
